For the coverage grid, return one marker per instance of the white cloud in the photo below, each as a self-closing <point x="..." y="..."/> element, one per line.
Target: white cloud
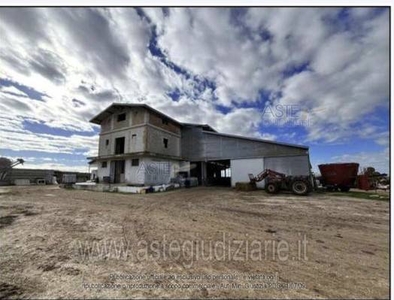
<point x="335" y="54"/>
<point x="348" y="79"/>
<point x="54" y="166"/>
<point x="84" y="59"/>
<point x="380" y="160"/>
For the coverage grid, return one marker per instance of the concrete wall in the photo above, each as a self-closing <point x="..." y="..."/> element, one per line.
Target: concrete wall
<point x="138" y="116"/>
<point x="289" y="165"/>
<point x="106" y="125"/>
<point x="101" y="172"/>
<point x="132" y="144"/>
<point x="148" y="128"/>
<point x="159" y="171"/>
<point x="150" y="171"/>
<point x="157" y="120"/>
<point x="134" y="116"/>
<point x="135" y="174"/>
<point x="136" y="140"/>
<point x="146" y="138"/>
<point x="155" y="143"/>
<point x="121" y="124"/>
<point x="240" y="168"/>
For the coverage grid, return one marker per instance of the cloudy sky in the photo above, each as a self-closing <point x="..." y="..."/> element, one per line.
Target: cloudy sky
<point x="316" y="77"/>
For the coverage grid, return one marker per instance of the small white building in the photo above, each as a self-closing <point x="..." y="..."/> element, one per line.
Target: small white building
<point x="139" y="145"/>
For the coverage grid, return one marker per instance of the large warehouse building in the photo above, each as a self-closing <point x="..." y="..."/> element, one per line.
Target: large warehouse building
<point x="139" y="145"/>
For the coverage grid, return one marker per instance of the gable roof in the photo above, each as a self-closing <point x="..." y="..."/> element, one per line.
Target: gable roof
<point x="117" y="107"/>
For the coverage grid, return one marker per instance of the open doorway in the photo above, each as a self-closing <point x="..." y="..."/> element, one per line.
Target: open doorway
<point x="195" y="171"/>
<point x="219" y="172"/>
<point x="119" y="145"/>
<point x="118" y="171"/>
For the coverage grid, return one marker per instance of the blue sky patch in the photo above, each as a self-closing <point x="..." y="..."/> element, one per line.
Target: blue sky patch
<point x="43" y="128"/>
<point x="29" y="91"/>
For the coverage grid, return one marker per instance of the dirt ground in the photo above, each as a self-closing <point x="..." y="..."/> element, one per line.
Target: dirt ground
<point x="191" y="243"/>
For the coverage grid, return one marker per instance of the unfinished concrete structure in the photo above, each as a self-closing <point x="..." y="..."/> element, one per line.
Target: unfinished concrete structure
<point x="139" y="145"/>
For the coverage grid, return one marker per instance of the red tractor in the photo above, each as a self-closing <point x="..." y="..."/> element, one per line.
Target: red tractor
<point x="275" y="181"/>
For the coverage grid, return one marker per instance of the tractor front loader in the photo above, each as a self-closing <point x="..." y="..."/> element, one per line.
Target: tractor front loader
<point x="275" y="181"/>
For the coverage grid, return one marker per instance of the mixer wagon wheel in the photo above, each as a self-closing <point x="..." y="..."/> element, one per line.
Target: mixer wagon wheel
<point x="300" y="187"/>
<point x="329" y="188"/>
<point x="344" y="188"/>
<point x="272" y="188"/>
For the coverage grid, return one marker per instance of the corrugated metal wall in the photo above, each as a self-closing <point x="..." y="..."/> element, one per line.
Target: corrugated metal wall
<point x="192" y="147"/>
<point x="198" y="145"/>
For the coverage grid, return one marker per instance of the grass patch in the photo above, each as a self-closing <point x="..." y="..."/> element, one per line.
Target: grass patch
<point x="362" y="195"/>
<point x="7" y="220"/>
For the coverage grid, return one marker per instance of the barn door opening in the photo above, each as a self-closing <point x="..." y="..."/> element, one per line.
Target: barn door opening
<point x="219" y="172"/>
<point x="195" y="171"/>
<point x="119" y="171"/>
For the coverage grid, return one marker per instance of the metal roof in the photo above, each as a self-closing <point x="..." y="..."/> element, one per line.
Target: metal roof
<point x="256" y="139"/>
<point x="204" y="126"/>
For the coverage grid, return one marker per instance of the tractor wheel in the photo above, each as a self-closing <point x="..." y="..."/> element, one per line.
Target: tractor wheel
<point x="344" y="189"/>
<point x="300" y="187"/>
<point x="271" y="188"/>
